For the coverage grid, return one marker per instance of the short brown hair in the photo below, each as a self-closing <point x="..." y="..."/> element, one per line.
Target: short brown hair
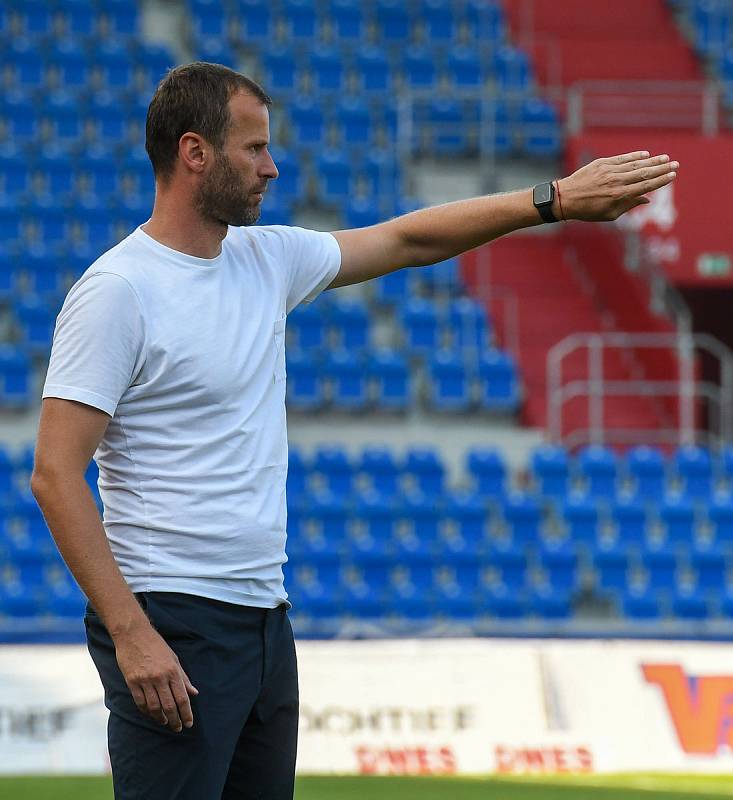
<point x="193" y="97"/>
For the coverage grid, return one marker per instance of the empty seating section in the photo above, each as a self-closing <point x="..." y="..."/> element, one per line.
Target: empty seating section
<point x="414" y="340"/>
<point x="382" y="535"/>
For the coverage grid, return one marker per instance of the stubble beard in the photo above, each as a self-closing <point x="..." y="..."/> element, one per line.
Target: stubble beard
<point x="222" y="198"/>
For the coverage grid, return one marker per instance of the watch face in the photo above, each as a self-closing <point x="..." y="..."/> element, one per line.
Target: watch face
<point x="542" y="193"/>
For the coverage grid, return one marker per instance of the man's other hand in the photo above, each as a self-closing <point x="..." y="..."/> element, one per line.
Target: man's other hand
<point x="608" y="187"/>
<point x="153" y="673"/>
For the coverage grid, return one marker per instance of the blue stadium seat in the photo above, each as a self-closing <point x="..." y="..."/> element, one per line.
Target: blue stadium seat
<point x="467" y="512"/>
<point x="457" y="603"/>
<point x="35" y="322"/>
<point x="79" y="18"/>
<point x="468" y="323"/>
<point x="57" y="170"/>
<point x="511" y="69"/>
<point x="641" y="605"/>
<point x="710" y="567"/>
<point x="712" y="24"/>
<point x="348" y="380"/>
<point x="94" y="221"/>
<point x="559" y="560"/>
<point x="581" y="516"/>
<point x="372" y="557"/>
<point x="418" y="67"/>
<point x="393" y="20"/>
<point x="661" y="565"/>
<point x="413" y="552"/>
<point x="445" y="277"/>
<point x="330" y="511"/>
<point x="510" y="561"/>
<point x="44" y="273"/>
<point x="373" y="69"/>
<point x="690" y="605"/>
<point x="550" y="604"/>
<point x="347" y="17"/>
<point x="20" y="117"/>
<point x="301" y="19"/>
<point x="541" y="128"/>
<point x="14" y="173"/>
<point x="306" y="114"/>
<point x="381" y="170"/>
<point x="10" y="224"/>
<point x="280" y="70"/>
<point x="551" y="469"/>
<point x="599" y="466"/>
<point x="335" y="175"/>
<point x="720" y="514"/>
<point x="504" y="604"/>
<point x="390" y="375"/>
<point x="439" y="20"/>
<point x="612" y="566"/>
<point x="465" y="68"/>
<point x="153" y="61"/>
<point x="70" y="65"/>
<point x="486" y="21"/>
<point x="363" y="602"/>
<point x="355" y="119"/>
<point x="114" y="65"/>
<point x="100" y="171"/>
<point x="19" y="601"/>
<point x="523" y="516"/>
<point x="450" y="387"/>
<point x="22" y="61"/>
<point x="694" y="465"/>
<point x="67" y="600"/>
<point x="349" y="319"/>
<point x="288" y="182"/>
<point x="304" y="384"/>
<point x="425" y="467"/>
<point x="216" y="51"/>
<point x="498" y="381"/>
<point x="487" y="469"/>
<point x="334" y="465"/>
<point x="379" y="464"/>
<point x="208" y="18"/>
<point x="327" y="66"/>
<point x="297" y="475"/>
<point x="15" y="378"/>
<point x="255" y="19"/>
<point x="678" y="516"/>
<point x="377" y="513"/>
<point x="395" y="287"/>
<point x="9" y="274"/>
<point x="420" y="322"/>
<point x="629" y="516"/>
<point x="448" y="125"/>
<point x="307" y="326"/>
<point x="646" y="465"/>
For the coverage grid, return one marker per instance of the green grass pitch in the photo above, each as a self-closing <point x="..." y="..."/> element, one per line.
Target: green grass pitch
<point x="638" y="787"/>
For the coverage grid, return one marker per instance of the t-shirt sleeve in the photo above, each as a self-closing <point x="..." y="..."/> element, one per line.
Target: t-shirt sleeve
<point x="98" y="343"/>
<point x="313" y="260"/>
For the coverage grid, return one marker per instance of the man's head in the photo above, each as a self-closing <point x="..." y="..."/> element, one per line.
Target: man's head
<point x="209" y="126"/>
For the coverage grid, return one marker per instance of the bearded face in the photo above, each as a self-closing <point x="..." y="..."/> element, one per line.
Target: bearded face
<point x="226" y="197"/>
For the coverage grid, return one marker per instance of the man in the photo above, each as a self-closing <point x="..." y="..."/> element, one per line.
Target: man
<point x="168" y="365"/>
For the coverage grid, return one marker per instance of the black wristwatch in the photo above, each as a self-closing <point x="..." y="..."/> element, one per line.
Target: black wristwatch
<point x="543" y="196"/>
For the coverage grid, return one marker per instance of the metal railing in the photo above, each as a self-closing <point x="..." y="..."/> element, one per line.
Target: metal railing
<point x="686" y="389"/>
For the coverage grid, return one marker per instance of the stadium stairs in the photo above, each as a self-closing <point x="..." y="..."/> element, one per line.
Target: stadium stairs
<point x="564" y="283"/>
<point x="620" y="41"/>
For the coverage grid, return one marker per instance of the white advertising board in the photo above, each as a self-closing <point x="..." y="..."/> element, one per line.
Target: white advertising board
<point x="429" y="707"/>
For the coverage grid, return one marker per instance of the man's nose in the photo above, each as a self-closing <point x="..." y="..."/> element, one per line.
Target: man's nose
<point x="269" y="170"/>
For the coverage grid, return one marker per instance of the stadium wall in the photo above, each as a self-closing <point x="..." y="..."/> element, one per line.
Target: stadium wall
<point x="429" y="707"/>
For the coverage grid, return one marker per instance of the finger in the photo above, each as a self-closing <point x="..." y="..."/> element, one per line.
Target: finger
<point x="636" y="189"/>
<point x="169" y="707"/>
<point x="139" y="697"/>
<point x="180" y="696"/>
<point x="642" y="162"/>
<point x="152" y="701"/>
<point x="626" y="157"/>
<point x="190" y="688"/>
<point x="648" y="173"/>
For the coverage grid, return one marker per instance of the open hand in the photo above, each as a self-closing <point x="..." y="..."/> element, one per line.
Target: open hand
<point x="155" y="677"/>
<point x="609" y="187"/>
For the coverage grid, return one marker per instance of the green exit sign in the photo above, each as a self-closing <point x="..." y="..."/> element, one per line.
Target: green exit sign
<point x="713" y="265"/>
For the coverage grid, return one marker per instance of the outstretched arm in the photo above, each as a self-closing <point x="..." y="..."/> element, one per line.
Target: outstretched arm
<point x="600" y="191"/>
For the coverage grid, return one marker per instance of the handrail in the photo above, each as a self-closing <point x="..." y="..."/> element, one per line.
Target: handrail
<point x="686" y="388"/>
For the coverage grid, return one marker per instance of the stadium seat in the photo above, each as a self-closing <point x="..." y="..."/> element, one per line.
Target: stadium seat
<point x="629" y="516"/>
<point x="661" y="565"/>
<point x="504" y="604"/>
<point x="307" y="326"/>
<point x="646" y="465"/>
<point x="377" y="513"/>
<point x="550" y="470"/>
<point x="297" y="478"/>
<point x="523" y="516"/>
<point x="335" y="175"/>
<point x="424" y="466"/>
<point x="465" y="68"/>
<point x="44" y="276"/>
<point x="468" y="323"/>
<point x="541" y="128"/>
<point x="418" y="67"/>
<point x="690" y="605"/>
<point x="678" y="516"/>
<point x="598" y="465"/>
<point x="487" y="468"/>
<point x="611" y="564"/>
<point x="511" y="69"/>
<point x="510" y="561"/>
<point x="641" y="605"/>
<point x="468" y="514"/>
<point x="306" y="114"/>
<point x="348" y="380"/>
<point x="694" y="466"/>
<point x="330" y="512"/>
<point x="559" y="560"/>
<point x="355" y="120"/>
<point x="373" y="69"/>
<point x="327" y="67"/>
<point x="550" y="604"/>
<point x="393" y="20"/>
<point x="347" y="17"/>
<point x="710" y="567"/>
<point x="581" y="515"/>
<point x="420" y="323"/>
<point x="498" y="382"/>
<point x="720" y="515"/>
<point x="35" y="321"/>
<point x="334" y="465"/>
<point x="450" y="388"/>
<point x="390" y="375"/>
<point x="304" y="384"/>
<point x="280" y="70"/>
<point x="255" y="21"/>
<point x="448" y="126"/>
<point x="208" y="19"/>
<point x="439" y="20"/>
<point x="379" y="464"/>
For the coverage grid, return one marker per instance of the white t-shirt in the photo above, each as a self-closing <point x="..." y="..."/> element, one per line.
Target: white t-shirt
<point x="187" y="356"/>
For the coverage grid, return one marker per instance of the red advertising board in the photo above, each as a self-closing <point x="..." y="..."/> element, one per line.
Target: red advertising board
<point x="687" y="226"/>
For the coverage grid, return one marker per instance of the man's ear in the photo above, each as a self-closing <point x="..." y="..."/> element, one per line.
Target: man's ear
<point x="193" y="150"/>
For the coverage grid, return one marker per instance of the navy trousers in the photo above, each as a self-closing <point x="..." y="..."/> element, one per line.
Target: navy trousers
<point x="245" y="718"/>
